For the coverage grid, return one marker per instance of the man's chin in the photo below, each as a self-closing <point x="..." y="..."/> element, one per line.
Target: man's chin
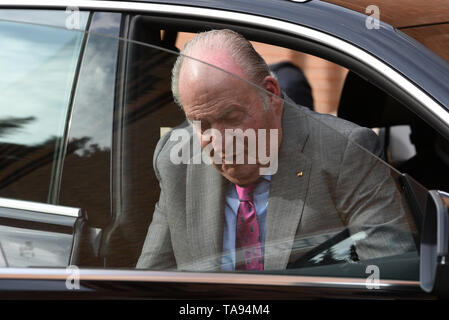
<point x="240" y="174"/>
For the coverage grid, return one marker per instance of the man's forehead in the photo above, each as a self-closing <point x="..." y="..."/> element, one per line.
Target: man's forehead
<point x="218" y="62"/>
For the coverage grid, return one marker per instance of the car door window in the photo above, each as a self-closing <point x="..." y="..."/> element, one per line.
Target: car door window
<point x="38" y="64"/>
<point x="151" y="199"/>
<point x="331" y="202"/>
<point x="86" y="175"/>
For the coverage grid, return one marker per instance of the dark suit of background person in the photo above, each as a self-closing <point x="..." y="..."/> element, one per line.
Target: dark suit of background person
<point x="293" y="83"/>
<point x="324" y="183"/>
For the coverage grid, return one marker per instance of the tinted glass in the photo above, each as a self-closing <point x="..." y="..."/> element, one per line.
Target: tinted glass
<point x="87" y="164"/>
<point x="39" y="56"/>
<point x="86" y="177"/>
<point x="37" y="67"/>
<point x="26" y="247"/>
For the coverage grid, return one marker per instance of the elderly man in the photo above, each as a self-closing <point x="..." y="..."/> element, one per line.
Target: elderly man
<point x="226" y="215"/>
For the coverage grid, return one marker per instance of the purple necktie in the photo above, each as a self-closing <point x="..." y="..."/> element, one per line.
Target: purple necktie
<point x="247" y="241"/>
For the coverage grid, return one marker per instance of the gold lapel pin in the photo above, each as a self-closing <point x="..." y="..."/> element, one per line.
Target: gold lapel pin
<point x="299" y="173"/>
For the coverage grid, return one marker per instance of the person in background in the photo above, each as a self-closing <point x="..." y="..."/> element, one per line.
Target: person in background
<point x="293" y="82"/>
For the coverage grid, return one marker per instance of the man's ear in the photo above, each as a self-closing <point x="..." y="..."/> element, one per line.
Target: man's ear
<point x="271" y="85"/>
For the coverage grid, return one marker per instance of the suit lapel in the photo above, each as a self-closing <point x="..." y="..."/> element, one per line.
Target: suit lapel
<point x="288" y="190"/>
<point x="205" y="215"/>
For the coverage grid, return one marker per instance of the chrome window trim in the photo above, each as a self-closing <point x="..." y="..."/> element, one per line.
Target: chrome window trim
<point x="202" y="278"/>
<point x="443" y="193"/>
<point x="436" y="109"/>
<point x="40" y="207"/>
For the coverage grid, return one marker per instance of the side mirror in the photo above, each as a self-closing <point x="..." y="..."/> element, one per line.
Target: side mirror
<point x="434" y="259"/>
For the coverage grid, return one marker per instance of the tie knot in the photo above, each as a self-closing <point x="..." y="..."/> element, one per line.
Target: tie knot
<point x="246" y="193"/>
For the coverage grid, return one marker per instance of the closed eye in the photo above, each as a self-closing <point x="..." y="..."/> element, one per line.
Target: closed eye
<point x="233" y="117"/>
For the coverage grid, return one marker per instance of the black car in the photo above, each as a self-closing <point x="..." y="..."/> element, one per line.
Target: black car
<point x="85" y="96"/>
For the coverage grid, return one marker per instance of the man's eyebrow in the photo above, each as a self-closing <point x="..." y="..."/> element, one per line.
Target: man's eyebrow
<point x="230" y="109"/>
<point x="221" y="115"/>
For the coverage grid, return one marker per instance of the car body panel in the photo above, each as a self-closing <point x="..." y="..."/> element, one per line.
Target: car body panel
<point x="116" y="284"/>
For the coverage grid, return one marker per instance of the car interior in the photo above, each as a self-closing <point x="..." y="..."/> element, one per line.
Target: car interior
<point x="380" y="110"/>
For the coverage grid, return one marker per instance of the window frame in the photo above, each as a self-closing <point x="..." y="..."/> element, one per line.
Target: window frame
<point x="62" y="148"/>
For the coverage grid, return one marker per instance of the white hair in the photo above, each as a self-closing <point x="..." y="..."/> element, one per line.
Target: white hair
<point x="241" y="51"/>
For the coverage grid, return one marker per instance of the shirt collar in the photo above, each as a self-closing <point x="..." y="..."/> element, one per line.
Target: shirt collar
<point x="267" y="178"/>
<point x="263" y="179"/>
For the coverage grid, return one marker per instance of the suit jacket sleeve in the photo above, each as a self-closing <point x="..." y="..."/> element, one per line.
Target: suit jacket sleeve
<point x="369" y="200"/>
<point x="157" y="252"/>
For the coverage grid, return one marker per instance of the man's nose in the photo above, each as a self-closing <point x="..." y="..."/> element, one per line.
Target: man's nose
<point x="218" y="141"/>
<point x="215" y="136"/>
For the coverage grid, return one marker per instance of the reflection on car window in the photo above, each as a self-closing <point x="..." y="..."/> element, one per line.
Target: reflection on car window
<point x="148" y="112"/>
<point x="86" y="176"/>
<point x="70" y="19"/>
<point x="24" y="247"/>
<point x="38" y="65"/>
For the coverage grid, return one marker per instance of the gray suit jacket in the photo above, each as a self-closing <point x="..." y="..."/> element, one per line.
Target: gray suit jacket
<point x="342" y="185"/>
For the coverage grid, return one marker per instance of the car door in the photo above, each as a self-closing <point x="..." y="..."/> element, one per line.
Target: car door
<point x="143" y="112"/>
